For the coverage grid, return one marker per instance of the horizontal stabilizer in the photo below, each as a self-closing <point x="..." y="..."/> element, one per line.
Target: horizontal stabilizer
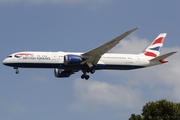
<point x="163" y="56"/>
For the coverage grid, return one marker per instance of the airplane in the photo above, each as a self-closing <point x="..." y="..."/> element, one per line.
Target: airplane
<point x="67" y="63"/>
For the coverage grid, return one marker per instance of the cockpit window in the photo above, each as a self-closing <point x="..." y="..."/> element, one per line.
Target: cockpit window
<point x="9" y="56"/>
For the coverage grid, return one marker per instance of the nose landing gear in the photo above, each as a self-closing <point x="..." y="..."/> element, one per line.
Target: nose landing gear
<point x="17" y="71"/>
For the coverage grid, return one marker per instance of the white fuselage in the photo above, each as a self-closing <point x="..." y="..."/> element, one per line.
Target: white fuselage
<point x="56" y="60"/>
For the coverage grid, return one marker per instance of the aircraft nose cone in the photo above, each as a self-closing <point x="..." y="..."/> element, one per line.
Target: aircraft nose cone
<point x="4" y="62"/>
<point x="7" y="62"/>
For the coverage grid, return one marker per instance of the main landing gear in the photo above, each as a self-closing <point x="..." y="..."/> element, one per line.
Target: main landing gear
<point x="84" y="75"/>
<point x="17" y="71"/>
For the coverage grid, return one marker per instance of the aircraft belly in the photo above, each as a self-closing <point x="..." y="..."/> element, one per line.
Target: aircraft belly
<point x="35" y="65"/>
<point x="117" y="67"/>
<point x="117" y="64"/>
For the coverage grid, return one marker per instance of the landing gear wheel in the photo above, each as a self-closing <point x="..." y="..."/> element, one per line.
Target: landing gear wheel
<point x="92" y="71"/>
<point x="87" y="77"/>
<point x="17" y="71"/>
<point x="83" y="76"/>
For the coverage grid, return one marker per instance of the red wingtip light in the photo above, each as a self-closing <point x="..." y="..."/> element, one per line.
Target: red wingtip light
<point x="162" y="61"/>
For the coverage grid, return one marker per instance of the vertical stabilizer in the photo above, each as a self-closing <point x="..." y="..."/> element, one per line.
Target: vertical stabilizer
<point x="153" y="50"/>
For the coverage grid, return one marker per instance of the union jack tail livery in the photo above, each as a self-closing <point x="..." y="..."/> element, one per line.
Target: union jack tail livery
<point x="153" y="50"/>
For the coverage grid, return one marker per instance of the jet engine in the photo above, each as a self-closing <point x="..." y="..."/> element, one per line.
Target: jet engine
<point x="72" y="59"/>
<point x="62" y="73"/>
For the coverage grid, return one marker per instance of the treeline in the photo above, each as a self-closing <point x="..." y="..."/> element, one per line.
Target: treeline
<point x="159" y="110"/>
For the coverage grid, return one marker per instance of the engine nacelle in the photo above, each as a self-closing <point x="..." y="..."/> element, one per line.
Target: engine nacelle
<point x="62" y="73"/>
<point x="72" y="59"/>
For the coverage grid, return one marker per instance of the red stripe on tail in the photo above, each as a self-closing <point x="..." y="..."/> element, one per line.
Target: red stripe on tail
<point x="159" y="40"/>
<point x="149" y="54"/>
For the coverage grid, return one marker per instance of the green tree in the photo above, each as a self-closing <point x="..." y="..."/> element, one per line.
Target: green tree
<point x="135" y="117"/>
<point x="161" y="110"/>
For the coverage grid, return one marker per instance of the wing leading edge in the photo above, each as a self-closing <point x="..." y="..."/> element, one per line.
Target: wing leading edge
<point x="92" y="57"/>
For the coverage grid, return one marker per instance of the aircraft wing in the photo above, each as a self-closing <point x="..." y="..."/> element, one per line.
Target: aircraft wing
<point x="92" y="57"/>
